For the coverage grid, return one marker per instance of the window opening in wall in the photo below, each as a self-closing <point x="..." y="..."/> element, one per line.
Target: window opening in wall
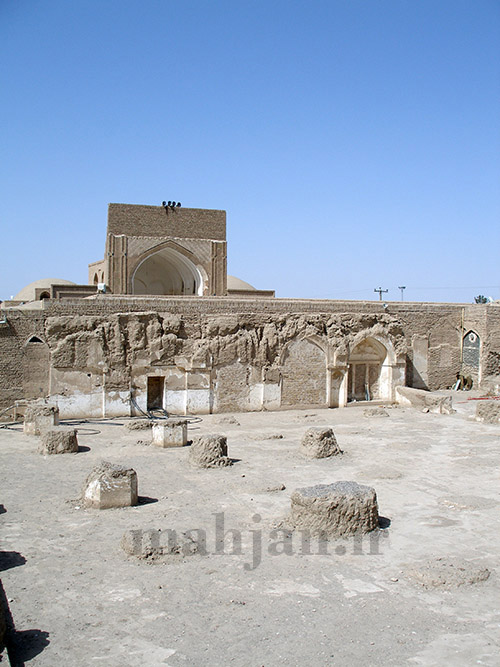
<point x="35" y="339"/>
<point x="44" y="295"/>
<point x="155" y="392"/>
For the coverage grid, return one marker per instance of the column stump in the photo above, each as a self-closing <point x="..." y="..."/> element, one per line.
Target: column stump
<point x="209" y="451"/>
<point x="38" y="418"/>
<point x="319" y="443"/>
<point x="335" y="510"/>
<point x="170" y="433"/>
<point x="110" y="485"/>
<point x="58" y="440"/>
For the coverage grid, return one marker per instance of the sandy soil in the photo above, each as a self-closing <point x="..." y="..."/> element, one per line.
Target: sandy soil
<point x="77" y="598"/>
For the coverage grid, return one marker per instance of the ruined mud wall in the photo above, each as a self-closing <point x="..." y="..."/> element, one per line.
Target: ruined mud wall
<point x="220" y="354"/>
<point x="214" y="362"/>
<point x="490" y="352"/>
<point x="24" y="358"/>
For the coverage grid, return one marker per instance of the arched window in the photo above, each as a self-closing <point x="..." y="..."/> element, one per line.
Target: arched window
<point x="44" y="295"/>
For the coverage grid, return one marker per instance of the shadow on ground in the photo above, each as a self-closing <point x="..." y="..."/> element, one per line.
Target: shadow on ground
<point x="21" y="645"/>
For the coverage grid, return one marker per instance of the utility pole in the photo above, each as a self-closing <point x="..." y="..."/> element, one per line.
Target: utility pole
<point x="380" y="292"/>
<point x="402" y="287"/>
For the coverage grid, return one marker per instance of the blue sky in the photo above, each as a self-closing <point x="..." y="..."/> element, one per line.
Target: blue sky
<point x="353" y="143"/>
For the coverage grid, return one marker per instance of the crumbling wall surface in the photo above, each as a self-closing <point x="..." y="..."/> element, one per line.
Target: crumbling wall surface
<point x="102" y="350"/>
<point x="237" y="360"/>
<point x="444" y="352"/>
<point x="232" y="387"/>
<point x="444" y="326"/>
<point x="490" y="351"/>
<point x="303" y="375"/>
<point x="17" y="379"/>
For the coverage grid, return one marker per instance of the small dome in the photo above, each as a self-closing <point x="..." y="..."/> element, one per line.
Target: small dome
<point x="234" y="283"/>
<point x="28" y="292"/>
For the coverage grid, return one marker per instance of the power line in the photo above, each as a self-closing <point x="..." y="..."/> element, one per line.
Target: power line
<point x="369" y="289"/>
<point x="380" y="292"/>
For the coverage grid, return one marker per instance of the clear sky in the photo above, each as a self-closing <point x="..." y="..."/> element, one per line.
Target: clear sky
<point x="353" y="143"/>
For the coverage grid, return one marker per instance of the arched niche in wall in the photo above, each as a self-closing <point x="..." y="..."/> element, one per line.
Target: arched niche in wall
<point x="167" y="271"/>
<point x="36" y="368"/>
<point x="303" y="374"/>
<point x="471" y="349"/>
<point x="365" y="376"/>
<point x="232" y="387"/>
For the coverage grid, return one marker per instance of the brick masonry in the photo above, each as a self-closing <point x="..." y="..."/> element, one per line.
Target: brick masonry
<point x="221" y="353"/>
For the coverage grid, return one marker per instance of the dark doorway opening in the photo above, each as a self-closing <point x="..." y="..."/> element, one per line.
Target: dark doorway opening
<point x="155" y="393"/>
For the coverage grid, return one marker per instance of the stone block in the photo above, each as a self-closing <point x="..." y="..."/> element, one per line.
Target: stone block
<point x="110" y="485"/>
<point x="58" y="440"/>
<point x="170" y="433"/>
<point x="38" y="418"/>
<point x="334" y="510"/>
<point x="424" y="400"/>
<point x="209" y="451"/>
<point x="319" y="443"/>
<point x="488" y="411"/>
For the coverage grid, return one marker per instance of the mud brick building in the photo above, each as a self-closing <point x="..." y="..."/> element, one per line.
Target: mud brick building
<point x="162" y="325"/>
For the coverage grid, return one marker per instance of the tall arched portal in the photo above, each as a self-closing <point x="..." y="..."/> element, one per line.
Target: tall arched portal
<point x="366" y="378"/>
<point x="167" y="271"/>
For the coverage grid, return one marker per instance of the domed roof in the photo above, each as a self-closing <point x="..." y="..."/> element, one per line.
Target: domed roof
<point x="234" y="283"/>
<point x="28" y="292"/>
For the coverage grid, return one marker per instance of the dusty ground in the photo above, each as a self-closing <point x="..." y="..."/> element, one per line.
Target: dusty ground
<point x="77" y="599"/>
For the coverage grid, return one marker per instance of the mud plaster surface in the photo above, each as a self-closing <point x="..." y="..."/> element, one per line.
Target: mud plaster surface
<point x="101" y="606"/>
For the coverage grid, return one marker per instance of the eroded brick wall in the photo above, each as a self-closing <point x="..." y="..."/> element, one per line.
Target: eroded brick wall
<point x="110" y="343"/>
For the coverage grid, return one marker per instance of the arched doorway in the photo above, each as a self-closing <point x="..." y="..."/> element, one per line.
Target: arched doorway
<point x="167" y="271"/>
<point x="366" y="381"/>
<point x="303" y="375"/>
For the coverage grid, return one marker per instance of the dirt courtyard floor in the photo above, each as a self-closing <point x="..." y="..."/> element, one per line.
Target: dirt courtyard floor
<point x="391" y="598"/>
